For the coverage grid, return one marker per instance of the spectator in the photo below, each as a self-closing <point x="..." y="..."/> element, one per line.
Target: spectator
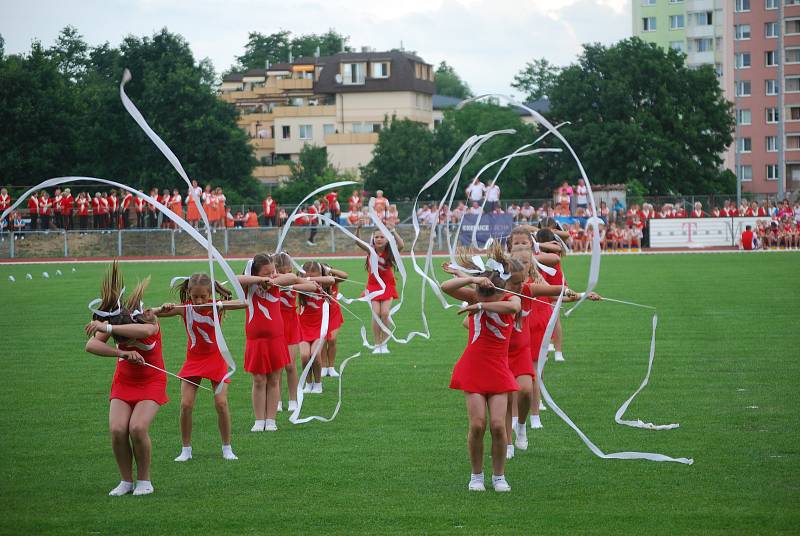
<point x="251" y="219"/>
<point x="45" y="210"/>
<point x="56" y="200"/>
<point x="458" y="212"/>
<point x="526" y="212"/>
<point x="66" y="207"/>
<point x="332" y="199"/>
<point x="282" y="217"/>
<point x="748" y="241"/>
<point x="564" y="194"/>
<point x="5" y="202"/>
<point x="352" y="218"/>
<point x="312" y="212"/>
<point x="238" y="220"/>
<point x="270" y="209"/>
<point x="83" y="204"/>
<point x="605" y="213"/>
<point x="698" y="210"/>
<point x="33" y="210"/>
<point x="796" y="211"/>
<point x="715" y="212"/>
<point x="354" y="203"/>
<point x="785" y="210"/>
<point x="475" y="208"/>
<point x="230" y="221"/>
<point x="475" y="191"/>
<point x="617" y="208"/>
<point x="492" y="197"/>
<point x="514" y="210"/>
<point x="582" y="195"/>
<point x="380" y="204"/>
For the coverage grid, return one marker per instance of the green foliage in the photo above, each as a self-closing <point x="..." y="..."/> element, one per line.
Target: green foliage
<point x="309" y="173"/>
<point x="638" y="112"/>
<point x="536" y="79"/>
<point x="448" y="82"/>
<point x="62" y="115"/>
<point x="635" y="192"/>
<point x="274" y="48"/>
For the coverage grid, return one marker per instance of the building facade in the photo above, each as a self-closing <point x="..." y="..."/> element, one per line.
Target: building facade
<point x="740" y="38"/>
<point x="339" y="102"/>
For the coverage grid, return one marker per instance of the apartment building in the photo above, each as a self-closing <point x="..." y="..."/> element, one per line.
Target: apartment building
<point x="740" y="39"/>
<point x="338" y="102"/>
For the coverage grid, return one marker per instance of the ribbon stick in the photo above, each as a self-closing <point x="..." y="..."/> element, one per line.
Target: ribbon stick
<point x="176" y="376"/>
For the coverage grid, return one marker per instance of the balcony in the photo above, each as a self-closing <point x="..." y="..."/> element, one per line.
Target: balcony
<point x="272" y="174"/>
<point x="263" y="143"/>
<point x="694" y="31"/>
<point x="700" y="58"/>
<point x="250" y="119"/>
<point x="304" y="111"/>
<point x="295" y="83"/>
<point x="699" y="5"/>
<point x="369" y="138"/>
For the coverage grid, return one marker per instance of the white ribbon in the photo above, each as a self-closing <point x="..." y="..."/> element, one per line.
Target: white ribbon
<point x="105" y="314"/>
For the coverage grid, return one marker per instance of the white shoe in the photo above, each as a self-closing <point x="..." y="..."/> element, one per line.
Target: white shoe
<point x="559" y="357"/>
<point x="385" y="349"/>
<point x="551" y="348"/>
<point x="536" y="422"/>
<point x="521" y="441"/>
<point x="123" y="488"/>
<point x="280" y="405"/>
<point x="143" y="487"/>
<point x="227" y="453"/>
<point x="509" y="452"/>
<point x="307" y="388"/>
<point x="310" y="243"/>
<point x="270" y="426"/>
<point x="258" y="427"/>
<point x="324" y="372"/>
<point x="542" y="407"/>
<point x="476" y="483"/>
<point x="377" y="349"/>
<point x="316" y="388"/>
<point x="292" y="405"/>
<point x="332" y="372"/>
<point x="185" y="455"/>
<point x="499" y="483"/>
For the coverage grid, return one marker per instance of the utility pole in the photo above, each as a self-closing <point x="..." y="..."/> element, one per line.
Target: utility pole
<point x="736" y="132"/>
<point x="781" y="106"/>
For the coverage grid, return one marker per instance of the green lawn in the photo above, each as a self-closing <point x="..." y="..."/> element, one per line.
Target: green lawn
<point x="394" y="460"/>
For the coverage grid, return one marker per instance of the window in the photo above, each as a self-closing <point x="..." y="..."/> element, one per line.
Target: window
<point x="718" y="69"/>
<point x="649" y="24"/>
<point x="792" y="26"/>
<point x="285" y="132"/>
<point x="328" y="129"/>
<point x="701" y="45"/>
<point x="745" y="173"/>
<point x="771" y="29"/>
<point x="792" y="3"/>
<point x="793" y="142"/>
<point x="676" y="45"/>
<point x="793" y="113"/>
<point x="792" y="55"/>
<point x="742" y="5"/>
<point x="770" y="58"/>
<point x="306" y="132"/>
<point x="702" y="18"/>
<point x="743" y="88"/>
<point x="353" y="73"/>
<point x="380" y="69"/>
<point x="742" y="31"/>
<point x="771" y="4"/>
<point x="362" y="128"/>
<point x="772" y="144"/>
<point x="772" y="115"/>
<point x="771" y="87"/>
<point x="791" y="84"/>
<point x="743" y="117"/>
<point x="744" y="145"/>
<point x="675" y="1"/>
<point x="772" y="172"/>
<point x="742" y="60"/>
<point x="648" y="2"/>
<point x="676" y="22"/>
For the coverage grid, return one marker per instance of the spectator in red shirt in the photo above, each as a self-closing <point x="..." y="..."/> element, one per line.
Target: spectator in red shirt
<point x="83" y="203"/>
<point x="698" y="210"/>
<point x="67" y="205"/>
<point x="747" y="241"/>
<point x="313" y="221"/>
<point x="45" y="210"/>
<point x="354" y="203"/>
<point x="332" y="198"/>
<point x="5" y="202"/>
<point x="270" y="210"/>
<point x="33" y="210"/>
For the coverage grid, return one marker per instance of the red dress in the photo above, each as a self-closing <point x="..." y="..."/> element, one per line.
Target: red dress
<point x="336" y="318"/>
<point x="555" y="279"/>
<point x="203" y="358"/>
<point x="386" y="272"/>
<point x="134" y="383"/>
<point x="311" y="318"/>
<point x="265" y="350"/>
<point x="520" y="360"/>
<point x="537" y="323"/>
<point x="483" y="367"/>
<point x="291" y="324"/>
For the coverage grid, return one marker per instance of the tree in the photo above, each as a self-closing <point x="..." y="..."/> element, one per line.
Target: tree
<point x="71" y="53"/>
<point x="311" y="171"/>
<point x="275" y="47"/>
<point x="448" y="83"/>
<point x="402" y="160"/>
<point x="328" y="44"/>
<point x="536" y="79"/>
<point x="638" y="112"/>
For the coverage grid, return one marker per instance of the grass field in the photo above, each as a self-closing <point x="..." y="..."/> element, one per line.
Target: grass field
<point x="394" y="460"/>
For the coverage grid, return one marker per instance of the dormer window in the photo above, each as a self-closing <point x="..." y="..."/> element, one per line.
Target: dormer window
<point x="353" y="73"/>
<point x="380" y="69"/>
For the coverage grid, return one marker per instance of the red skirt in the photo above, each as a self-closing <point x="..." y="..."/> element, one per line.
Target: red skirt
<point x="521" y="363"/>
<point x="482" y="373"/>
<point x="336" y="320"/>
<point x="192" y="214"/>
<point x="133" y="393"/>
<point x="291" y="326"/>
<point x="263" y="356"/>
<point x="210" y="366"/>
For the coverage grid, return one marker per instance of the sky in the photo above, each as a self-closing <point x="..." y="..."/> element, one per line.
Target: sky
<point x="486" y="41"/>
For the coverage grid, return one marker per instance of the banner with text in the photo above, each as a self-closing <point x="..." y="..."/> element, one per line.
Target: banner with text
<point x="698" y="232"/>
<point x="490" y="226"/>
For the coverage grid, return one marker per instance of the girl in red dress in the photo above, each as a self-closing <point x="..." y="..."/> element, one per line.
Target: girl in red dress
<point x="137" y="390"/>
<point x="336" y="322"/>
<point x="176" y="204"/>
<point x="310" y="318"/>
<point x="482" y="372"/>
<point x="266" y="353"/>
<point x="548" y="236"/>
<point x="382" y="303"/>
<point x="203" y="358"/>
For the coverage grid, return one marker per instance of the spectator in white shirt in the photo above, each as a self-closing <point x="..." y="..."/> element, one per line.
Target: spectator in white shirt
<point x="526" y="212"/>
<point x="582" y="195"/>
<point x="475" y="191"/>
<point x="492" y="197"/>
<point x="475" y="208"/>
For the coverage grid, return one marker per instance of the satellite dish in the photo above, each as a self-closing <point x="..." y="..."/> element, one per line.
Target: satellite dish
<point x="338" y="78"/>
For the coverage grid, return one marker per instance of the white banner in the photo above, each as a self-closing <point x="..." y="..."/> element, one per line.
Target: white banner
<point x="692" y="232"/>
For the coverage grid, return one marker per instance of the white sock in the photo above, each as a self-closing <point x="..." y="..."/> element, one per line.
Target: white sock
<point x="536" y="421"/>
<point x="495" y="478"/>
<point x="143" y="487"/>
<point x="522" y="432"/>
<point x="476" y="476"/>
<point x="185" y="455"/>
<point x="227" y="453"/>
<point x="123" y="488"/>
<point x="258" y="426"/>
<point x="514" y="422"/>
<point x="559" y="356"/>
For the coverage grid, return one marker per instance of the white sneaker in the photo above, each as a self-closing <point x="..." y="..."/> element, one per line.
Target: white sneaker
<point x="551" y="347"/>
<point x="258" y="427"/>
<point x="476" y="483"/>
<point x="310" y="243"/>
<point x="377" y="349"/>
<point x="509" y="452"/>
<point x="385" y="349"/>
<point x="123" y="488"/>
<point x="143" y="487"/>
<point x="280" y="406"/>
<point x="292" y="405"/>
<point x="316" y="388"/>
<point x="542" y="407"/>
<point x="536" y="422"/>
<point x="521" y="441"/>
<point x="499" y="483"/>
<point x="324" y="372"/>
<point x="559" y="357"/>
<point x="227" y="453"/>
<point x="307" y="388"/>
<point x="185" y="455"/>
<point x="270" y="426"/>
<point x="332" y="372"/>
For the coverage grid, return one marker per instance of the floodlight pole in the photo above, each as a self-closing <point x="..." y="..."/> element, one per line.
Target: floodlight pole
<point x="781" y="106"/>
